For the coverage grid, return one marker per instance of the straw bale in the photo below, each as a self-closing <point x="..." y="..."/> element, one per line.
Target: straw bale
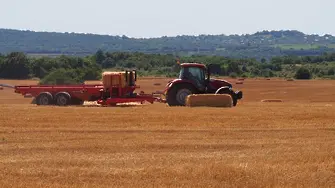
<point x="210" y="100"/>
<point x="112" y="79"/>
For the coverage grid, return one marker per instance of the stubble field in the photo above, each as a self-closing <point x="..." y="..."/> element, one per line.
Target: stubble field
<point x="288" y="144"/>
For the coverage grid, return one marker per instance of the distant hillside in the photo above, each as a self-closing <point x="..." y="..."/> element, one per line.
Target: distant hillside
<point x="258" y="45"/>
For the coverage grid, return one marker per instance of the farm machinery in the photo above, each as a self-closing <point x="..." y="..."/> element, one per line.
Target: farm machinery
<point x="119" y="87"/>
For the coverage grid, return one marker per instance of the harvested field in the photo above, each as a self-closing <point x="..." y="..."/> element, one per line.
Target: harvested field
<point x="289" y="144"/>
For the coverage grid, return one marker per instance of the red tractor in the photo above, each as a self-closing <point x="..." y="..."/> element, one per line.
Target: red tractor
<point x="193" y="80"/>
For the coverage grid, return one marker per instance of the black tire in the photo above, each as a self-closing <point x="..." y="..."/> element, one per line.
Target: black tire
<point x="176" y="96"/>
<point x="44" y="99"/>
<point x="229" y="92"/>
<point x="63" y="99"/>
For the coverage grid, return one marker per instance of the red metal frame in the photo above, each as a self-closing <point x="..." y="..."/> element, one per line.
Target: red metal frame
<point x="86" y="92"/>
<point x="199" y="65"/>
<point x="83" y="92"/>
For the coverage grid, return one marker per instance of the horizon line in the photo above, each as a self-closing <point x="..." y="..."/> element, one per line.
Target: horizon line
<point x="162" y="36"/>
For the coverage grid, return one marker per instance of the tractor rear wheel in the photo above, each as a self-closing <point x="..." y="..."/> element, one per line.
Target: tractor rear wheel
<point x="176" y="96"/>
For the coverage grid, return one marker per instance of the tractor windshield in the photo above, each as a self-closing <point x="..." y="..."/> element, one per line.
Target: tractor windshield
<point x="194" y="74"/>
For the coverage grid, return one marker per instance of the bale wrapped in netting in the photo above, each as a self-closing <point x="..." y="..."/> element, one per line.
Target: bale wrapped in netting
<point x="209" y="100"/>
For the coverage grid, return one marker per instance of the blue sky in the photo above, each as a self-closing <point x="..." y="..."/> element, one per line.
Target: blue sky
<point x="155" y="18"/>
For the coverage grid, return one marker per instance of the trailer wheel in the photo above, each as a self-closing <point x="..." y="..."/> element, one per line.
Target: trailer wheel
<point x="44" y="99"/>
<point x="63" y="99"/>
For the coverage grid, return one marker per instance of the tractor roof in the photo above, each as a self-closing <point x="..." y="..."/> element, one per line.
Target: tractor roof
<point x="199" y="65"/>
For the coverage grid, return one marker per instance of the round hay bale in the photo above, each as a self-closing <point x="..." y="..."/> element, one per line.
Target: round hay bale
<point x="209" y="100"/>
<point x="272" y="100"/>
<point x="1" y="88"/>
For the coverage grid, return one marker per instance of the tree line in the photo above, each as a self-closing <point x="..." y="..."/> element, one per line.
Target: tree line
<point x="62" y="69"/>
<point x="68" y="69"/>
<point x="265" y="44"/>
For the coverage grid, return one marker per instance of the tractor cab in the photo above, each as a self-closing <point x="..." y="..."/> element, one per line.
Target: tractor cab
<point x="195" y="73"/>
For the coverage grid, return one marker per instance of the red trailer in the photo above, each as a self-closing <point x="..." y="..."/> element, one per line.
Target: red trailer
<point x="64" y="95"/>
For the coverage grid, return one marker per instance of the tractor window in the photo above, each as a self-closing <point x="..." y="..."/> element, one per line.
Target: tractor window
<point x="197" y="73"/>
<point x="193" y="73"/>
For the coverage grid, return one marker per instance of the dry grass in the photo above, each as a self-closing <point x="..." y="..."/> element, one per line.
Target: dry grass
<point x="272" y="100"/>
<point x="255" y="144"/>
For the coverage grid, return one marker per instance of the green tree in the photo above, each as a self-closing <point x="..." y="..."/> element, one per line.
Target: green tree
<point x="100" y="57"/>
<point x="233" y="68"/>
<point x="331" y="72"/>
<point x="108" y="63"/>
<point x="15" y="66"/>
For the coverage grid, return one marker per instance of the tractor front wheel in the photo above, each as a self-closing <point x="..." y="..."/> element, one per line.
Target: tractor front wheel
<point x="176" y="96"/>
<point x="229" y="92"/>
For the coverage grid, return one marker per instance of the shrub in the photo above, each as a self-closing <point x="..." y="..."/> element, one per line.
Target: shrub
<point x="244" y="75"/>
<point x="61" y="76"/>
<point x="233" y="75"/>
<point x="303" y="73"/>
<point x="331" y="72"/>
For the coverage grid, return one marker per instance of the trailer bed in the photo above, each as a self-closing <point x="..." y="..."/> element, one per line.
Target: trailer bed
<point x="85" y="92"/>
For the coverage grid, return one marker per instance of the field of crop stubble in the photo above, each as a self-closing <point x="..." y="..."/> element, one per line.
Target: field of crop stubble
<point x="255" y="144"/>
